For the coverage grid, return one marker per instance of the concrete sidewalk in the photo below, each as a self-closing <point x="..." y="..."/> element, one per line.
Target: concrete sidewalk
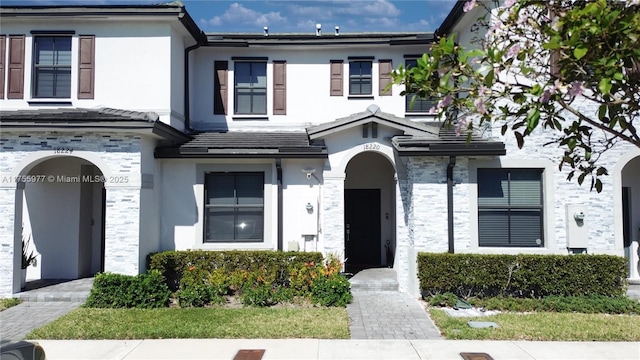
<point x="313" y="349"/>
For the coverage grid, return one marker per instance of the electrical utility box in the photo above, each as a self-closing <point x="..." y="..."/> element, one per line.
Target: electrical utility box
<point x="577" y="230"/>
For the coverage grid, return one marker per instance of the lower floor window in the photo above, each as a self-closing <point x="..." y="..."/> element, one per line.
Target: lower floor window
<point x="510" y="207"/>
<point x="234" y="208"/>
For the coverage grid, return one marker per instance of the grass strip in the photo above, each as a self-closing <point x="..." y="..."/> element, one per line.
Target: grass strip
<point x="7" y="303"/>
<point x="246" y="323"/>
<point x="542" y="326"/>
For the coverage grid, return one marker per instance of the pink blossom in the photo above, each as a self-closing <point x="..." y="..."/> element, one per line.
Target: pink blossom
<point x="513" y="51"/>
<point x="509" y="3"/>
<point x="546" y="95"/>
<point x="462" y="123"/>
<point x="469" y="5"/>
<point x="433" y="110"/>
<point x="479" y="103"/>
<point x="576" y="88"/>
<point x="445" y="102"/>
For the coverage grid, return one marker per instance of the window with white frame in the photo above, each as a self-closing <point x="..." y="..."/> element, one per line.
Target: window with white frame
<point x="250" y="81"/>
<point x="360" y="78"/>
<point x="234" y="207"/>
<point x="52" y="67"/>
<point x="510" y="208"/>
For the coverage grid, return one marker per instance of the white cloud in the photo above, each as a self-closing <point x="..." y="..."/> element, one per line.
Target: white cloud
<point x="238" y="14"/>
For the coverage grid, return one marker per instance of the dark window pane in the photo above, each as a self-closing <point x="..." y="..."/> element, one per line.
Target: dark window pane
<point x="525" y="187"/>
<point x="235" y="207"/>
<point x="52" y="67"/>
<point x="526" y="227"/>
<point x="220" y="189"/>
<point x="250" y="87"/>
<point x="63" y="83"/>
<point x="44" y="82"/>
<point x="510" y="208"/>
<point x="249" y="224"/>
<point x="220" y="224"/>
<point x="493" y="227"/>
<point x="249" y="189"/>
<point x="493" y="188"/>
<point x="360" y="78"/>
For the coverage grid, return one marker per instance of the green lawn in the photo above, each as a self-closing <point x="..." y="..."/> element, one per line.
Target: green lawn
<point x="7" y="303"/>
<point x="543" y="326"/>
<point x="249" y="323"/>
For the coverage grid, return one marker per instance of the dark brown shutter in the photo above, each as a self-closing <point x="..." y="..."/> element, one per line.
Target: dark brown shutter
<point x="16" y="67"/>
<point x="384" y="69"/>
<point x="336" y="78"/>
<point x="279" y="88"/>
<point x="220" y="87"/>
<point x="3" y="43"/>
<point x="86" y="66"/>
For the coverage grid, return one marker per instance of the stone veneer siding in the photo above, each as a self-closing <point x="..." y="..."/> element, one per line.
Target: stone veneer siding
<point x="333" y="215"/>
<point x="118" y="155"/>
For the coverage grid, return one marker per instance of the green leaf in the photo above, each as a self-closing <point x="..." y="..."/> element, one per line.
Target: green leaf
<point x="581" y="178"/>
<point x="598" y="185"/>
<point x="532" y="119"/>
<point x="519" y="139"/>
<point x="488" y="79"/>
<point x="580" y="52"/>
<point x="605" y="86"/>
<point x="618" y="76"/>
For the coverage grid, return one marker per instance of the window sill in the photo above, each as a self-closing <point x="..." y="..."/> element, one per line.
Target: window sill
<point x="50" y="102"/>
<point x="360" y="97"/>
<point x="250" y="117"/>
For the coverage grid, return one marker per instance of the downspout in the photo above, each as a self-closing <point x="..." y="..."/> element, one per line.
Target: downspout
<point x="187" y="121"/>
<point x="450" y="166"/>
<point x="279" y="180"/>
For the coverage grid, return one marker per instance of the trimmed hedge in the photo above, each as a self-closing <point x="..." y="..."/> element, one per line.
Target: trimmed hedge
<point x="173" y="264"/>
<point x="527" y="276"/>
<point x="125" y="291"/>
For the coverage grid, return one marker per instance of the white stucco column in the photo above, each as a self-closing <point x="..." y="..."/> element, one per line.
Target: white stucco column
<point x="122" y="230"/>
<point x="634" y="262"/>
<point x="404" y="242"/>
<point x="333" y="215"/>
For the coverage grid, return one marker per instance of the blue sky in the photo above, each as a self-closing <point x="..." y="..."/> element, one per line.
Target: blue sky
<point x="299" y="16"/>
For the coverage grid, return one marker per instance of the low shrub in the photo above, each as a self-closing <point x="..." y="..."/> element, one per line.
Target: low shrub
<point x="594" y="304"/>
<point x="443" y="300"/>
<point x="200" y="288"/>
<point x="533" y="276"/>
<point x="124" y="291"/>
<point x="278" y="264"/>
<point x="257" y="278"/>
<point x="331" y="290"/>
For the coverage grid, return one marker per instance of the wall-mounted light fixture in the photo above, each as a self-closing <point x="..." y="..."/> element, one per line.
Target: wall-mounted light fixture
<point x="309" y="207"/>
<point x="309" y="172"/>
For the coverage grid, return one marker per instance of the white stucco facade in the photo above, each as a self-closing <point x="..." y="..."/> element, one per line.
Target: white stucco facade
<point x="97" y="184"/>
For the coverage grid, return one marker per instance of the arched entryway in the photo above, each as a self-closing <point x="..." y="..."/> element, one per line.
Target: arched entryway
<point x="60" y="206"/>
<point x="369" y="198"/>
<point x="631" y="214"/>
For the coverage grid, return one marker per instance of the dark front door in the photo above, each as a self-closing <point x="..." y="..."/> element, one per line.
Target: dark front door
<point x="362" y="229"/>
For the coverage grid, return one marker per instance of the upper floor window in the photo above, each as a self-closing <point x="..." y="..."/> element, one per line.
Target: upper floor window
<point x="510" y="207"/>
<point x="52" y="67"/>
<point x="360" y="78"/>
<point x="250" y="80"/>
<point x="234" y="209"/>
<point x="414" y="103"/>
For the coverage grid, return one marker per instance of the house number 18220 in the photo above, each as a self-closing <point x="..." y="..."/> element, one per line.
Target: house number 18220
<point x="371" y="146"/>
